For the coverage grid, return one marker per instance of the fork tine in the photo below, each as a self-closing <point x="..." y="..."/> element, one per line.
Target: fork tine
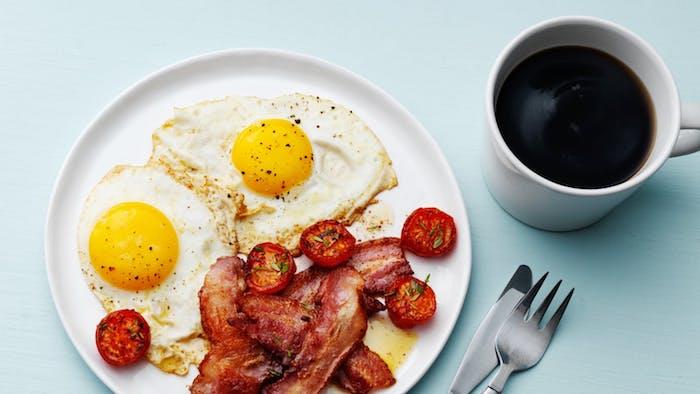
<point x="554" y="322"/>
<point x="539" y="313"/>
<point x="526" y="301"/>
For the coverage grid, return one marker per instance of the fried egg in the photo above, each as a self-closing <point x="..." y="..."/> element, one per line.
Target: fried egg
<point x="296" y="159"/>
<point x="145" y="242"/>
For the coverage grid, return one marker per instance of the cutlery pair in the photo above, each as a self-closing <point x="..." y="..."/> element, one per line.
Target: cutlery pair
<point x="519" y="341"/>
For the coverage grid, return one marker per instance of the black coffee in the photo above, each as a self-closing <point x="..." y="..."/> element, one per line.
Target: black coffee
<point x="576" y="116"/>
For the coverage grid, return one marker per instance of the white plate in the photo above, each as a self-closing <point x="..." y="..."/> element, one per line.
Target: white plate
<point x="122" y="134"/>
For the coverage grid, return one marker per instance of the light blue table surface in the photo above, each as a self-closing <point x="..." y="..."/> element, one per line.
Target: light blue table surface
<point x="633" y="326"/>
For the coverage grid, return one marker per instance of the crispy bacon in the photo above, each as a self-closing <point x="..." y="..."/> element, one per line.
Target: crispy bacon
<point x="223" y="284"/>
<point x="380" y="262"/>
<point x="278" y="323"/>
<point x="235" y="362"/>
<point x="364" y="371"/>
<point x="305" y="286"/>
<point x="371" y="304"/>
<point x="340" y="323"/>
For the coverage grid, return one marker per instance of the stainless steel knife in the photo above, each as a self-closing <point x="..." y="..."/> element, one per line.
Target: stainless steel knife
<point x="480" y="358"/>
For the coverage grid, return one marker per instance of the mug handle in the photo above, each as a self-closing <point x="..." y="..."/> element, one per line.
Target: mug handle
<point x="689" y="137"/>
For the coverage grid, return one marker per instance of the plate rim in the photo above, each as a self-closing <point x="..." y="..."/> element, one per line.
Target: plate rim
<point x="212" y="56"/>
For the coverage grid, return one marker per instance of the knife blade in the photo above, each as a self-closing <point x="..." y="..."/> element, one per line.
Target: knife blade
<point x="480" y="358"/>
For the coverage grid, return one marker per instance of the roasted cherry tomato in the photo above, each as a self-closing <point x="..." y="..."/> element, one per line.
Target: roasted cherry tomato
<point x="429" y="232"/>
<point x="410" y="302"/>
<point x="270" y="268"/>
<point x="123" y="337"/>
<point x="327" y="243"/>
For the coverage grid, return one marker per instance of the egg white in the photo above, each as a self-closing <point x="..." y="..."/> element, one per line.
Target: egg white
<point x="350" y="164"/>
<point x="172" y="308"/>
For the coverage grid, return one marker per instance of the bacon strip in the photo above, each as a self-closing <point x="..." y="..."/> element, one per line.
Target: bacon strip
<point x="305" y="286"/>
<point x="235" y="363"/>
<point x="339" y="324"/>
<point x="380" y="262"/>
<point x="223" y="284"/>
<point x="364" y="371"/>
<point x="279" y="324"/>
<point x="371" y="304"/>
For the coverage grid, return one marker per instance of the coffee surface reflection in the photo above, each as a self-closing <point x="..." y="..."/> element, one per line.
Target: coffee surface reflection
<point x="576" y="116"/>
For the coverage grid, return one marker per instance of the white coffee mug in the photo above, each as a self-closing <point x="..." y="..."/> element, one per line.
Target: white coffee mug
<point x="547" y="205"/>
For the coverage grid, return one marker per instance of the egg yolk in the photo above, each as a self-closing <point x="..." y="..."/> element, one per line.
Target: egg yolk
<point x="133" y="246"/>
<point x="272" y="155"/>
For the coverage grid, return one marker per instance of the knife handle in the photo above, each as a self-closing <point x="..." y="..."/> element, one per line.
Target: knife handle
<point x="498" y="381"/>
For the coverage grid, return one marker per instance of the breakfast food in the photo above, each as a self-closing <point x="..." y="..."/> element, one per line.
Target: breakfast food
<point x="235" y="363"/>
<point x="270" y="178"/>
<point x="381" y="262"/>
<point x="327" y="243"/>
<point x="122" y="337"/>
<point x="410" y="302"/>
<point x="270" y="268"/>
<point x="429" y="232"/>
<point x="277" y="323"/>
<point x="364" y="371"/>
<point x="296" y="159"/>
<point x="339" y="324"/>
<point x="313" y="328"/>
<point x="145" y="242"/>
<point x="280" y="324"/>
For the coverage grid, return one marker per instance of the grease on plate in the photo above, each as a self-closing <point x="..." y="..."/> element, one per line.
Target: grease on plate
<point x="391" y="343"/>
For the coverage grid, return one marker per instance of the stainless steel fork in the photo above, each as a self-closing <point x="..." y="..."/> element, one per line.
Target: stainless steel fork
<point x="521" y="342"/>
